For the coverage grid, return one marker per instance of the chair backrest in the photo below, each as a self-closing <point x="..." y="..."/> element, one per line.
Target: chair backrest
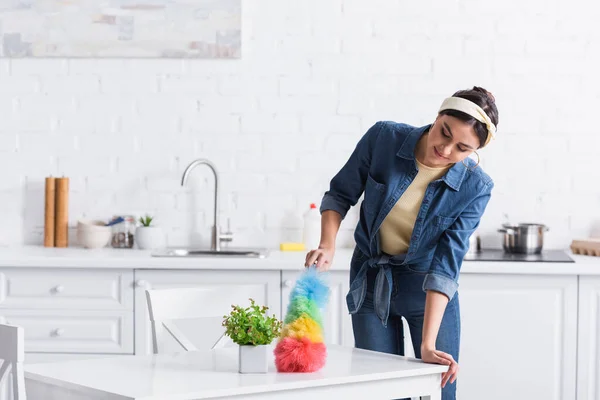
<point x="12" y="354"/>
<point x="168" y="305"/>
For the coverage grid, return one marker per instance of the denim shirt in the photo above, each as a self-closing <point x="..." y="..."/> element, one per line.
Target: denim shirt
<point x="382" y="166"/>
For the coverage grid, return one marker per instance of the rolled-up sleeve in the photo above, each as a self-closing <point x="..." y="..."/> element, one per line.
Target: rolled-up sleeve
<point x="348" y="184"/>
<point x="453" y="245"/>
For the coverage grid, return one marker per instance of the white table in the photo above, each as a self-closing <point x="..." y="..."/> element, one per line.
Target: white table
<point x="349" y="373"/>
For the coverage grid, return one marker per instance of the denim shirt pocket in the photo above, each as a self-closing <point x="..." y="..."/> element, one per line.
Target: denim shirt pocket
<point x="374" y="196"/>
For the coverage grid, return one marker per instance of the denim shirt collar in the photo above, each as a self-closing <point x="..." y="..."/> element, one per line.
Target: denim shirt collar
<point x="455" y="174"/>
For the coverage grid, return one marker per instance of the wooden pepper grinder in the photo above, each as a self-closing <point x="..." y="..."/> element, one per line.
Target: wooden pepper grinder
<point x="49" y="212"/>
<point x="61" y="236"/>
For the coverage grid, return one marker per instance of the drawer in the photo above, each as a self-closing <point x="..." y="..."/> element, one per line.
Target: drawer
<point x="74" y="331"/>
<point x="73" y="289"/>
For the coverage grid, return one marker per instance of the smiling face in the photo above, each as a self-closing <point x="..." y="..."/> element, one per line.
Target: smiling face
<point x="449" y="141"/>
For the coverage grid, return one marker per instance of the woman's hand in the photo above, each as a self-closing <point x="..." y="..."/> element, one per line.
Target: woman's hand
<point x="323" y="257"/>
<point x="433" y="356"/>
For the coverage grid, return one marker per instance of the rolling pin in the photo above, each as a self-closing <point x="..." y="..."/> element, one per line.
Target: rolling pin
<point x="61" y="235"/>
<point x="49" y="214"/>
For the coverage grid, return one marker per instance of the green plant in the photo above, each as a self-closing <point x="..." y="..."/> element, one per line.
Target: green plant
<point x="251" y="325"/>
<point x="146" y="221"/>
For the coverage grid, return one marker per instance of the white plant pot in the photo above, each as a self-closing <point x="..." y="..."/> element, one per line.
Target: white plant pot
<point x="254" y="359"/>
<point x="149" y="237"/>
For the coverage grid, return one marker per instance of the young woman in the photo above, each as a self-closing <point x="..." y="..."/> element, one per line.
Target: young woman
<point x="423" y="198"/>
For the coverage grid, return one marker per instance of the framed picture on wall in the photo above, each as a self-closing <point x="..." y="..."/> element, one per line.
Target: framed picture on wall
<point x="120" y="28"/>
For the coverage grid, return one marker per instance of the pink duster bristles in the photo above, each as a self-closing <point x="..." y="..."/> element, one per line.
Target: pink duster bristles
<point x="300" y="347"/>
<point x="299" y="355"/>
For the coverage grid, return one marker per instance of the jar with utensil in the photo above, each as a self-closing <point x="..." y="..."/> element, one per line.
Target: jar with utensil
<point x="123" y="231"/>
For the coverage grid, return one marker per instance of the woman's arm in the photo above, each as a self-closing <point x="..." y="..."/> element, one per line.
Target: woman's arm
<point x="330" y="225"/>
<point x="323" y="256"/>
<point x="441" y="283"/>
<point x="435" y="305"/>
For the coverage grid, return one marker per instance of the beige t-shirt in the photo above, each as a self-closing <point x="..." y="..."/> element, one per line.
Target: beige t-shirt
<point x="397" y="227"/>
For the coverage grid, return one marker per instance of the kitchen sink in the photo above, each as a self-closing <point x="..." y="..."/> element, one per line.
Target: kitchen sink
<point x="226" y="252"/>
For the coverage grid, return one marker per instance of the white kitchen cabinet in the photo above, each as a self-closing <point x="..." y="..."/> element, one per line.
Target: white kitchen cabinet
<point x="262" y="286"/>
<point x="336" y="320"/>
<point x="519" y="337"/>
<point x="70" y="310"/>
<point x="588" y="354"/>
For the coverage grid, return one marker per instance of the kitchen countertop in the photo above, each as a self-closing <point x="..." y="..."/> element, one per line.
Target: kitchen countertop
<point x="108" y="258"/>
<point x="497" y="255"/>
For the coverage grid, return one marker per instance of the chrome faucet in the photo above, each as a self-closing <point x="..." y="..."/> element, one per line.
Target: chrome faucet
<point x="217" y="237"/>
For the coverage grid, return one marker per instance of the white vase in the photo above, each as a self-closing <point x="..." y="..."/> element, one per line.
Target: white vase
<point x="254" y="359"/>
<point x="149" y="237"/>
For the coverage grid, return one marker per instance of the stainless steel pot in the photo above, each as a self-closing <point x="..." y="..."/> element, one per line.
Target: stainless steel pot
<point x="523" y="238"/>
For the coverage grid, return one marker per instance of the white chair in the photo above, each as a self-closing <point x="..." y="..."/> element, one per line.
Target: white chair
<point x="12" y="354"/>
<point x="168" y="305"/>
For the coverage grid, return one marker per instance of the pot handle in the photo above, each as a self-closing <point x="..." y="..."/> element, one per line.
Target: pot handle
<point x="507" y="230"/>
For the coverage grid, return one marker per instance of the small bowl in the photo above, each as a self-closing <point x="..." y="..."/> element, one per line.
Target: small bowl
<point x="93" y="234"/>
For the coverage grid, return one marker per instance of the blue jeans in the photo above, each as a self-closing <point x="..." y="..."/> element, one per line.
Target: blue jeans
<point x="408" y="301"/>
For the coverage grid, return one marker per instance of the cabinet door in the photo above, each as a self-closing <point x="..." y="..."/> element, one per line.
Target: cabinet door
<point x="588" y="353"/>
<point x="519" y="337"/>
<point x="337" y="321"/>
<point x="262" y="286"/>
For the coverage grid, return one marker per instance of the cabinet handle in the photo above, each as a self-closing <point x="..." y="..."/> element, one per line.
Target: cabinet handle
<point x="59" y="289"/>
<point x="287" y="283"/>
<point x="141" y="283"/>
<point x="58" y="332"/>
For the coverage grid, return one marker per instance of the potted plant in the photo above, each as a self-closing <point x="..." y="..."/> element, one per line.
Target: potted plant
<point x="147" y="236"/>
<point x="253" y="330"/>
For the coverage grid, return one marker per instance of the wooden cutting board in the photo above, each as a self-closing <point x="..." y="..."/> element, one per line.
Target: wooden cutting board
<point x="587" y="247"/>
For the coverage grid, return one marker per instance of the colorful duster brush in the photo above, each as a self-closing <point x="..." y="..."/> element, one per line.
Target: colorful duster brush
<point x="300" y="347"/>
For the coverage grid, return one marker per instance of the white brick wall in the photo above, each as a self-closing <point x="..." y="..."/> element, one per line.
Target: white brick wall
<point x="280" y="121"/>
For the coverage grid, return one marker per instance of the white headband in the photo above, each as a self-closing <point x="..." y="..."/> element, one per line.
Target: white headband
<point x="472" y="109"/>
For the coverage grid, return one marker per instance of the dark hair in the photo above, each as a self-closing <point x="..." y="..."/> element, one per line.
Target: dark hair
<point x="483" y="99"/>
